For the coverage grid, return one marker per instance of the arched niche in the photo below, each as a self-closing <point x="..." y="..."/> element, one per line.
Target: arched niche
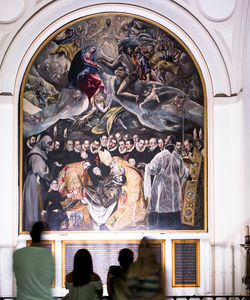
<point x="145" y="15"/>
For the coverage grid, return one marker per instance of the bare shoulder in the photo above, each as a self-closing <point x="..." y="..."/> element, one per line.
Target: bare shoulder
<point x="94" y="277"/>
<point x="69" y="277"/>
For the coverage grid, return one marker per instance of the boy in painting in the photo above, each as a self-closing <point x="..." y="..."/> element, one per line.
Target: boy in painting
<point x="54" y="213"/>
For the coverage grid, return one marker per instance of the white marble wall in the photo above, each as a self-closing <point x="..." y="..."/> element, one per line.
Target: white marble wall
<point x="217" y="33"/>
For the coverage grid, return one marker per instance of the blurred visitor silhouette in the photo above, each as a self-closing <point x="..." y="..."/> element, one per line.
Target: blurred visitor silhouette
<point x="34" y="268"/>
<point x="145" y="278"/>
<point x="117" y="276"/>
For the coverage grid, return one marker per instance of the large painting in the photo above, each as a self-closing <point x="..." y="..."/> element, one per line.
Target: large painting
<point x="113" y="130"/>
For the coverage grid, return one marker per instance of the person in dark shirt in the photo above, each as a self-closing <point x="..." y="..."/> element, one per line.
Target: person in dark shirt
<point x="140" y="152"/>
<point x="86" y="146"/>
<point x="152" y="150"/>
<point x="76" y="153"/>
<point x="55" y="159"/>
<point x="53" y="210"/>
<point x="68" y="153"/>
<point x="130" y="150"/>
<point x="30" y="143"/>
<point x="104" y="142"/>
<point x="98" y="170"/>
<point x="122" y="149"/>
<point x="113" y="147"/>
<point x="117" y="275"/>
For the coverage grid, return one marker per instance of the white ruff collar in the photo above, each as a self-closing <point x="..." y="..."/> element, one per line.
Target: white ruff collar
<point x="122" y="151"/>
<point x="131" y="149"/>
<point x="94" y="151"/>
<point x="138" y="149"/>
<point x="113" y="149"/>
<point x="153" y="148"/>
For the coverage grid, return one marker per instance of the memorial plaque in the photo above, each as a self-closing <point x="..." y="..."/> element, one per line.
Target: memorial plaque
<point x="185" y="263"/>
<point x="105" y="254"/>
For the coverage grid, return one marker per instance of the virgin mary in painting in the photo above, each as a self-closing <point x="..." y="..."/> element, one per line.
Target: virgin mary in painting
<point x="83" y="72"/>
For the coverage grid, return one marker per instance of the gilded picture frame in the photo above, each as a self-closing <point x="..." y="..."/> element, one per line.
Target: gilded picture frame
<point x="104" y="101"/>
<point x="186" y="263"/>
<point x="105" y="253"/>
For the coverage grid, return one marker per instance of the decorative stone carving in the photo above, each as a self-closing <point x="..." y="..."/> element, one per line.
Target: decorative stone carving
<point x="215" y="10"/>
<point x="11" y="11"/>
